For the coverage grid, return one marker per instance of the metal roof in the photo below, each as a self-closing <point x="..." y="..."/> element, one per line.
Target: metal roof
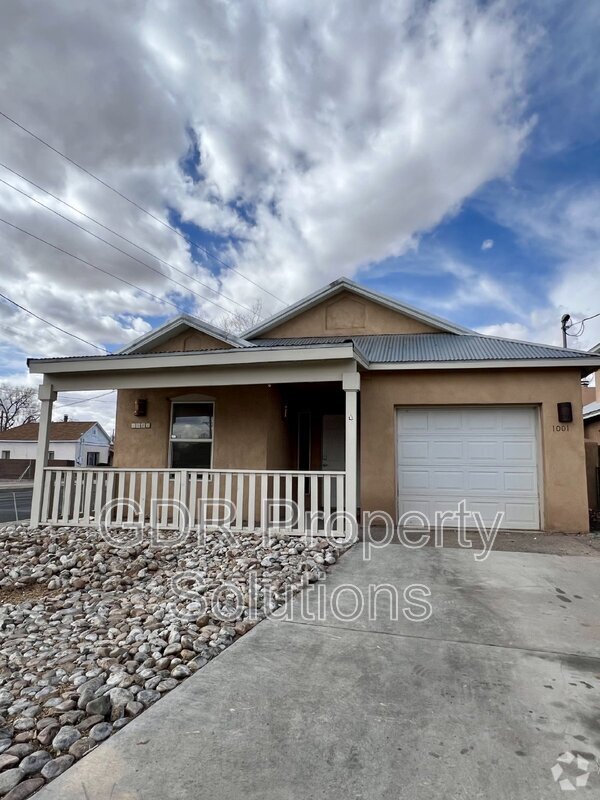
<point x="591" y="411"/>
<point x="301" y="341"/>
<point x="173" y="326"/>
<point x="409" y="348"/>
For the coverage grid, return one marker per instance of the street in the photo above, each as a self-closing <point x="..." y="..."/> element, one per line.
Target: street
<point x="15" y="504"/>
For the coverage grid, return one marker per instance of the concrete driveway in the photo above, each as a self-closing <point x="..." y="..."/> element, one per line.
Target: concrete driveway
<point x="478" y="701"/>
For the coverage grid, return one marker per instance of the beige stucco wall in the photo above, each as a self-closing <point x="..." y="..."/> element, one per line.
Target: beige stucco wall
<point x="249" y="430"/>
<point x="563" y="471"/>
<point x="588" y="394"/>
<point x="190" y="340"/>
<point x="347" y="315"/>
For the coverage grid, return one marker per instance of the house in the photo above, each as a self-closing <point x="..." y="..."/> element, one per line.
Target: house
<point x="80" y="443"/>
<point x="591" y="407"/>
<point x="347" y="400"/>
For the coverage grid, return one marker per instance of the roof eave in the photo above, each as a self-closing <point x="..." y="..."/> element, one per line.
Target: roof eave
<point x="233" y="357"/>
<point x="170" y="328"/>
<point x="585" y="365"/>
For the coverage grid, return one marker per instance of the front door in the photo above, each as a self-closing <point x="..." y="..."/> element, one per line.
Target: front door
<point x="333" y="455"/>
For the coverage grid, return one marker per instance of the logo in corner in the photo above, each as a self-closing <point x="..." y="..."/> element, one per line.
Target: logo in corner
<point x="579" y="764"/>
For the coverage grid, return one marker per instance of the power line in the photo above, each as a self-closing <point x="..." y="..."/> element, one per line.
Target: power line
<point x="93" y="266"/>
<point x="115" y="233"/>
<point x="138" y="206"/>
<point x="114" y="246"/>
<point x="580" y="322"/>
<point x="85" y="400"/>
<point x="52" y="325"/>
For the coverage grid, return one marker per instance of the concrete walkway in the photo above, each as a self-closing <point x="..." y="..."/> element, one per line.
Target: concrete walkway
<point x="476" y="702"/>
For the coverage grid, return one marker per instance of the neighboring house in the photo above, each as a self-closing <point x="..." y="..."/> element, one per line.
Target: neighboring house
<point x="81" y="443"/>
<point x="591" y="421"/>
<point x="591" y="406"/>
<point x="348" y="400"/>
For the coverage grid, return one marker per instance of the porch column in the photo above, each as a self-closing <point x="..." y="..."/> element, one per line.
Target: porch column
<point x="351" y="386"/>
<point x="47" y="396"/>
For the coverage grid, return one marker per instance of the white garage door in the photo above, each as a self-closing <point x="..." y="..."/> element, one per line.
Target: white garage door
<point x="486" y="456"/>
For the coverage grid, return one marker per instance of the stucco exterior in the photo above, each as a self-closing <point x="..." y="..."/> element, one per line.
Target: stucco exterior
<point x="348" y="315"/>
<point x="592" y="430"/>
<point x="188" y="341"/>
<point x="562" y="458"/>
<point x="249" y="431"/>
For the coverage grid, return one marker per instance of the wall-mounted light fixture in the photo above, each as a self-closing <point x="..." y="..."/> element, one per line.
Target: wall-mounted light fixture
<point x="565" y="412"/>
<point x="140" y="408"/>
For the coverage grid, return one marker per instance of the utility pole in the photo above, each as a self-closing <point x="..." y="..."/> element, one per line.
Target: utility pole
<point x="563" y="325"/>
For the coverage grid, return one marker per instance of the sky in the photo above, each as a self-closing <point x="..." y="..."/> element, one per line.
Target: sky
<point x="446" y="153"/>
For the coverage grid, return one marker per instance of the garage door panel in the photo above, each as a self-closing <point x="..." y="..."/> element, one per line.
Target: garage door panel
<point x="411" y="450"/>
<point x="415" y="479"/>
<point x="486" y="450"/>
<point x="524" y="515"/>
<point x="524" y="451"/>
<point x="487" y="457"/>
<point x="419" y="421"/>
<point x="481" y="420"/>
<point x="445" y="421"/>
<point x="490" y="481"/>
<point x="516" y="515"/>
<point x="520" y="482"/>
<point x="513" y="419"/>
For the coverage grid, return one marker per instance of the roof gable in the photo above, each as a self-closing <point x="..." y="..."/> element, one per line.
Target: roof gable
<point x="59" y="432"/>
<point x="346" y="308"/>
<point x="181" y="334"/>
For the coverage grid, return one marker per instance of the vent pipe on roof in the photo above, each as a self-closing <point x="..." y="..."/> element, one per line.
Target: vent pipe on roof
<point x="563" y="326"/>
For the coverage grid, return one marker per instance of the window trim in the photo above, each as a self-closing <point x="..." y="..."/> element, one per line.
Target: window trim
<point x="5" y="455"/>
<point x="92" y="453"/>
<point x="211" y="440"/>
<point x="51" y="455"/>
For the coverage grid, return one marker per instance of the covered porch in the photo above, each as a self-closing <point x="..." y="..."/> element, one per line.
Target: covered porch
<point x="244" y="440"/>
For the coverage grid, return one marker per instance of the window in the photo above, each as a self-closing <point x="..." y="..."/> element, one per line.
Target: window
<point x="92" y="458"/>
<point x="50" y="455"/>
<point x="191" y="435"/>
<point x="6" y="454"/>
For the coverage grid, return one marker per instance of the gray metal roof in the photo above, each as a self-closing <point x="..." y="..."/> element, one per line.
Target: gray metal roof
<point x="301" y="341"/>
<point x="591" y="411"/>
<point x="435" y="347"/>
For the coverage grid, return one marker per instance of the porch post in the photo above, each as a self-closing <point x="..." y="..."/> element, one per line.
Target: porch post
<point x="47" y="396"/>
<point x="351" y="386"/>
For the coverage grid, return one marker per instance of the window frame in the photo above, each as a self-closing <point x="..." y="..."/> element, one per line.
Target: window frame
<point x="5" y="455"/>
<point x="95" y="453"/>
<point x="51" y="455"/>
<point x="211" y="440"/>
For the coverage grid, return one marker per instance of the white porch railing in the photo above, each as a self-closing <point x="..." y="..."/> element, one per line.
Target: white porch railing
<point x="243" y="500"/>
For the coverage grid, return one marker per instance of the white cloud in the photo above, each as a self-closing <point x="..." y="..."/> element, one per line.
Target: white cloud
<point x="564" y="226"/>
<point x="507" y="330"/>
<point x="346" y="131"/>
<point x="487" y="244"/>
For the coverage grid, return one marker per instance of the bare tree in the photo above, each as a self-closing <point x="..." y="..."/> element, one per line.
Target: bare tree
<point x="240" y="321"/>
<point x="18" y="404"/>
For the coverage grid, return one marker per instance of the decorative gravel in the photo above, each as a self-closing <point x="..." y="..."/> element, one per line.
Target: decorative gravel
<point x="92" y="634"/>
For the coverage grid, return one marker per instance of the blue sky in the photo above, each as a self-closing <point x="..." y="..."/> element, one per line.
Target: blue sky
<point x="446" y="153"/>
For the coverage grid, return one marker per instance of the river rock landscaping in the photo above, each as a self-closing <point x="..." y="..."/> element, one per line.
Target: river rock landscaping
<point x="93" y="632"/>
